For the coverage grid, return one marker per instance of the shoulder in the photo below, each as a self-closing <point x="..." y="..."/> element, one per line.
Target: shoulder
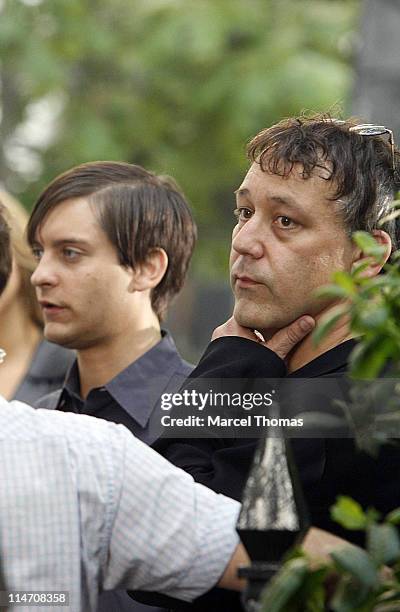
<point x="94" y="447"/>
<point x="232" y="356"/>
<point x="51" y="361"/>
<point x="37" y="423"/>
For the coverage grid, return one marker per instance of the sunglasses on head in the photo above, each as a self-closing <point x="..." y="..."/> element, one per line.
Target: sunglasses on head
<point x="369" y="129"/>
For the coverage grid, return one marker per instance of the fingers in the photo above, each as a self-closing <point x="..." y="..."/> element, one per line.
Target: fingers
<point x="286" y="338"/>
<point x="319" y="544"/>
<point x="282" y="342"/>
<point x="232" y="328"/>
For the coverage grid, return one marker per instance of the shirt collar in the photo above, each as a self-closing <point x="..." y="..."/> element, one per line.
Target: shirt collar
<point x="138" y="388"/>
<point x="334" y="360"/>
<point x="72" y="383"/>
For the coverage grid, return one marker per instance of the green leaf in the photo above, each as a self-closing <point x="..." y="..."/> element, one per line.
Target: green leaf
<point x="311" y="595"/>
<point x="357" y="562"/>
<point x="369" y="356"/>
<point x="374" y="317"/>
<point x="359" y="268"/>
<point x="369" y="245"/>
<point x="389" y="217"/>
<point x="383" y="543"/>
<point x="331" y="291"/>
<point x="393" y="517"/>
<point x="348" y="513"/>
<point x="372" y="515"/>
<point x="350" y="596"/>
<point x="327" y="323"/>
<point x="388" y="425"/>
<point x="345" y="280"/>
<point x="284" y="585"/>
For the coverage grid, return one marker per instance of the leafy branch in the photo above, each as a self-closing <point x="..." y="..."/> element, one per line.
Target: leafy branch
<point x="363" y="582"/>
<point x="362" y="579"/>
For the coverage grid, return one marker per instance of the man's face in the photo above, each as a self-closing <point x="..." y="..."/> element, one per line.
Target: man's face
<point x="82" y="288"/>
<point x="288" y="241"/>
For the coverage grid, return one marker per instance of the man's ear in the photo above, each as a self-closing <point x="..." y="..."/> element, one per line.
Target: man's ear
<point x="374" y="268"/>
<point x="150" y="272"/>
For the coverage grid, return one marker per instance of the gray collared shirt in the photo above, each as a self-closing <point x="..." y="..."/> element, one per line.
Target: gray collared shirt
<point x="85" y="506"/>
<point x="132" y="397"/>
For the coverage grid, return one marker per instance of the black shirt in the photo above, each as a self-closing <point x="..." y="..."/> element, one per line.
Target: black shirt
<point x="328" y="467"/>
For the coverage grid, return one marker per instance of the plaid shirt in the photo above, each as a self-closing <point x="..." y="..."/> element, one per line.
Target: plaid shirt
<point x="85" y="506"/>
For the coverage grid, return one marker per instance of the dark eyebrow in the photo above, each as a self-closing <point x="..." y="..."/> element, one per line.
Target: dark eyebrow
<point x="276" y="199"/>
<point x="65" y="241"/>
<point x="241" y="191"/>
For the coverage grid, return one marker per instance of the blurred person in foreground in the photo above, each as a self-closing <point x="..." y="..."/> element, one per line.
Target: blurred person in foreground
<point x="85" y="506"/>
<point x="32" y="366"/>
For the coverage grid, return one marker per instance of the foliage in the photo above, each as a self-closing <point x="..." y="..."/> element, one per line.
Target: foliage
<point x="361" y="582"/>
<point x="175" y="85"/>
<point x="372" y="306"/>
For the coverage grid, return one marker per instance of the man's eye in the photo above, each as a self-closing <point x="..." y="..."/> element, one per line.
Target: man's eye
<point x="242" y="213"/>
<point x="37" y="253"/>
<point x="70" y="254"/>
<point x="284" y="222"/>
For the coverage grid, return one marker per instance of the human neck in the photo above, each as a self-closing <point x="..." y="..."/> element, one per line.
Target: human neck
<point x="101" y="363"/>
<point x="18" y="334"/>
<point x="306" y="350"/>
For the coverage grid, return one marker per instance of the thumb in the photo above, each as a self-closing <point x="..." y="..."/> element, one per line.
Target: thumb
<point x="286" y="338"/>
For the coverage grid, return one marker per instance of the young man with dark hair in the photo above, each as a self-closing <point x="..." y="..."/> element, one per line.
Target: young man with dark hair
<point x="140" y="213"/>
<point x="311" y="183"/>
<point x="113" y="244"/>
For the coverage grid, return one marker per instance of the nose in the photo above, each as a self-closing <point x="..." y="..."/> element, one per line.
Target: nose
<point x="45" y="273"/>
<point x="247" y="239"/>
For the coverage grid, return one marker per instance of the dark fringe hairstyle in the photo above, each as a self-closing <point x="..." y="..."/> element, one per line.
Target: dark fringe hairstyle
<point x="138" y="211"/>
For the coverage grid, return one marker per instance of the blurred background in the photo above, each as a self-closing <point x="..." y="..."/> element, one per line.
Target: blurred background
<point x="179" y="86"/>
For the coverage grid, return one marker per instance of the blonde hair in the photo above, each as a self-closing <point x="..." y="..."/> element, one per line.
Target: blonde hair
<point x="17" y="219"/>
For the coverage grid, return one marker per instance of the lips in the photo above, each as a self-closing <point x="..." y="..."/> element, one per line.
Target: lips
<point x="48" y="304"/>
<point x="242" y="280"/>
<point x="51" y="309"/>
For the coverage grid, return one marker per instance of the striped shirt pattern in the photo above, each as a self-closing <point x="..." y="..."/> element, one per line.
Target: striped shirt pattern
<point x="85" y="506"/>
